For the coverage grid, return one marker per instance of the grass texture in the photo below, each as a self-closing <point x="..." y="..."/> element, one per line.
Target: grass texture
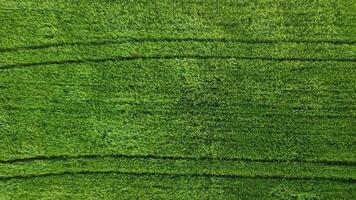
<point x="183" y="99"/>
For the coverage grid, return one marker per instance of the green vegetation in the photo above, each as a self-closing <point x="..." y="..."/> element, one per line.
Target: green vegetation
<point x="182" y="99"/>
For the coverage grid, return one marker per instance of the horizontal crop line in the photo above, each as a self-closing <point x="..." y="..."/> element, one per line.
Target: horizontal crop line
<point x="169" y="57"/>
<point x="177" y="175"/>
<point x="259" y="114"/>
<point x="142" y="40"/>
<point x="167" y="157"/>
<point x="115" y="86"/>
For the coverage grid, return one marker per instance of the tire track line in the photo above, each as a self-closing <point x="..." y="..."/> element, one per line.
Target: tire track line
<point x="167" y="157"/>
<point x="179" y="175"/>
<point x="159" y="111"/>
<point x="198" y="57"/>
<point x="157" y="40"/>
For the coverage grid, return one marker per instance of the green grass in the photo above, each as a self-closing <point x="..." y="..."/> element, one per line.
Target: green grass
<point x="177" y="99"/>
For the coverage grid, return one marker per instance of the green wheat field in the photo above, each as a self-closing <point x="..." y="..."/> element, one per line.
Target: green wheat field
<point x="177" y="99"/>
